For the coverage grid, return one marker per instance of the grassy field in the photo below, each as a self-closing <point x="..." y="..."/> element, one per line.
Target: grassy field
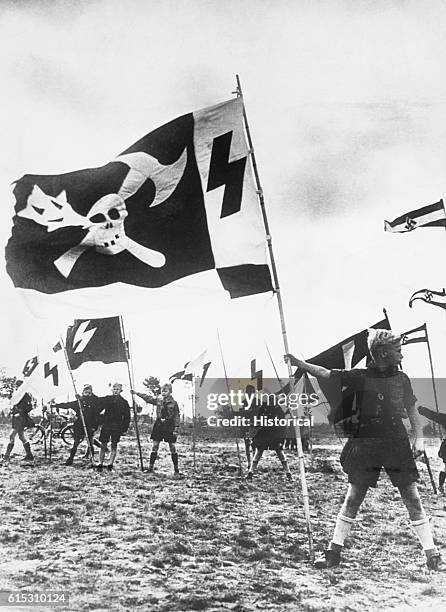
<point x="127" y="540"/>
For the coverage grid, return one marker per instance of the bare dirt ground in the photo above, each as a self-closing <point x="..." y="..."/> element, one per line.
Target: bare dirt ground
<point x="127" y="540"/>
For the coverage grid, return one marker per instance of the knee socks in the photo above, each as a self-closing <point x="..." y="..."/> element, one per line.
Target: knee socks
<point x="342" y="529"/>
<point x="423" y="532"/>
<point x="175" y="461"/>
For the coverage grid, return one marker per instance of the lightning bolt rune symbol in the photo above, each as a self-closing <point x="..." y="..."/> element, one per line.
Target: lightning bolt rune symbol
<point x="54" y="372"/>
<point x="82" y="336"/>
<point x="30" y="366"/>
<point x="230" y="174"/>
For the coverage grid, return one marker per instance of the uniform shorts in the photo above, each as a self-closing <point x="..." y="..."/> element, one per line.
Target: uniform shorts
<point x="265" y="442"/>
<point x="363" y="458"/>
<point x="163" y="431"/>
<point x="79" y="433"/>
<point x="21" y="422"/>
<point x="108" y="434"/>
<point x="442" y="451"/>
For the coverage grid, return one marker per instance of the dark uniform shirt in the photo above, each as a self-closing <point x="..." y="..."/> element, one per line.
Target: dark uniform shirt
<point x="166" y="409"/>
<point x="116" y="413"/>
<point x="381" y="400"/>
<point x="91" y="407"/>
<point x="378" y="436"/>
<point x="20" y="413"/>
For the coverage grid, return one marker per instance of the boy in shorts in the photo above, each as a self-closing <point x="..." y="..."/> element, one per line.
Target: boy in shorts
<point x="116" y="422"/>
<point x="384" y="397"/>
<point x="166" y="425"/>
<point x="91" y="407"/>
<point x="19" y="422"/>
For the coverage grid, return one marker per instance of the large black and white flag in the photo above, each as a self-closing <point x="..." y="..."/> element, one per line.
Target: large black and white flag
<point x="432" y="215"/>
<point x="45" y="375"/>
<point x="95" y="340"/>
<point x="181" y="200"/>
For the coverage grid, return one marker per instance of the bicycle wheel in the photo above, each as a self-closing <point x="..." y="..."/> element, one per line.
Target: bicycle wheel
<point x="67" y="435"/>
<point x="36" y="434"/>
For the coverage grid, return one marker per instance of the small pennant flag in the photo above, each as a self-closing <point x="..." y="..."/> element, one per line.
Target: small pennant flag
<point x="427" y="295"/>
<point x="432" y="215"/>
<point x="418" y="334"/>
<point x="95" y="340"/>
<point x="256" y="375"/>
<point x="197" y="367"/>
<point x="346" y="354"/>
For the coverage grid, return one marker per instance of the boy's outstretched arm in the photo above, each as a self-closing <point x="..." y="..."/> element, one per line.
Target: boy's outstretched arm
<point x="314" y="370"/>
<point x="437" y="417"/>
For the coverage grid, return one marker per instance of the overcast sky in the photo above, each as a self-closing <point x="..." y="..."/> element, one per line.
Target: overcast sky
<point x="347" y="106"/>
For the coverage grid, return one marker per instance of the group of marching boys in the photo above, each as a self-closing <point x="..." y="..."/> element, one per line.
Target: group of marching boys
<point x="383" y="399"/>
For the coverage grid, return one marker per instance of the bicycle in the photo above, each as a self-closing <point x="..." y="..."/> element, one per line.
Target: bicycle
<point x="61" y="425"/>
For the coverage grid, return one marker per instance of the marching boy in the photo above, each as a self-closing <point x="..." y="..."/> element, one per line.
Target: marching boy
<point x="166" y="424"/>
<point x="384" y="397"/>
<point x="19" y="422"/>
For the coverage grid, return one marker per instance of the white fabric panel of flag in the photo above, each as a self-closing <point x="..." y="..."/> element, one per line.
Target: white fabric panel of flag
<point x="45" y="375"/>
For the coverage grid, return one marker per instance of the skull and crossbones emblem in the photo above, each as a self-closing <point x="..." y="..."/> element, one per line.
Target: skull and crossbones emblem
<point x="105" y="219"/>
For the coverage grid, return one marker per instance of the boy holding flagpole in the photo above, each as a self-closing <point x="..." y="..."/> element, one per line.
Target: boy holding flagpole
<point x="166" y="425"/>
<point x="116" y="422"/>
<point x="384" y="397"/>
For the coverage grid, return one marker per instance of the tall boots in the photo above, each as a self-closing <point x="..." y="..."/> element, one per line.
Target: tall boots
<point x="70" y="459"/>
<point x="29" y="456"/>
<point x="153" y="457"/>
<point x="8" y="452"/>
<point x="284" y="463"/>
<point x="175" y="462"/>
<point x="441" y="479"/>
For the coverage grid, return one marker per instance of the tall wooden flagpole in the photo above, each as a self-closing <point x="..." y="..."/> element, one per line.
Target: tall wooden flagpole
<point x="130" y="373"/>
<point x="432" y="370"/>
<point x="309" y="414"/>
<point x="44" y="433"/>
<point x="50" y="455"/>
<point x="279" y="380"/>
<point x="81" y="411"/>
<point x="194" y="425"/>
<point x="303" y="479"/>
<point x="239" y="456"/>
